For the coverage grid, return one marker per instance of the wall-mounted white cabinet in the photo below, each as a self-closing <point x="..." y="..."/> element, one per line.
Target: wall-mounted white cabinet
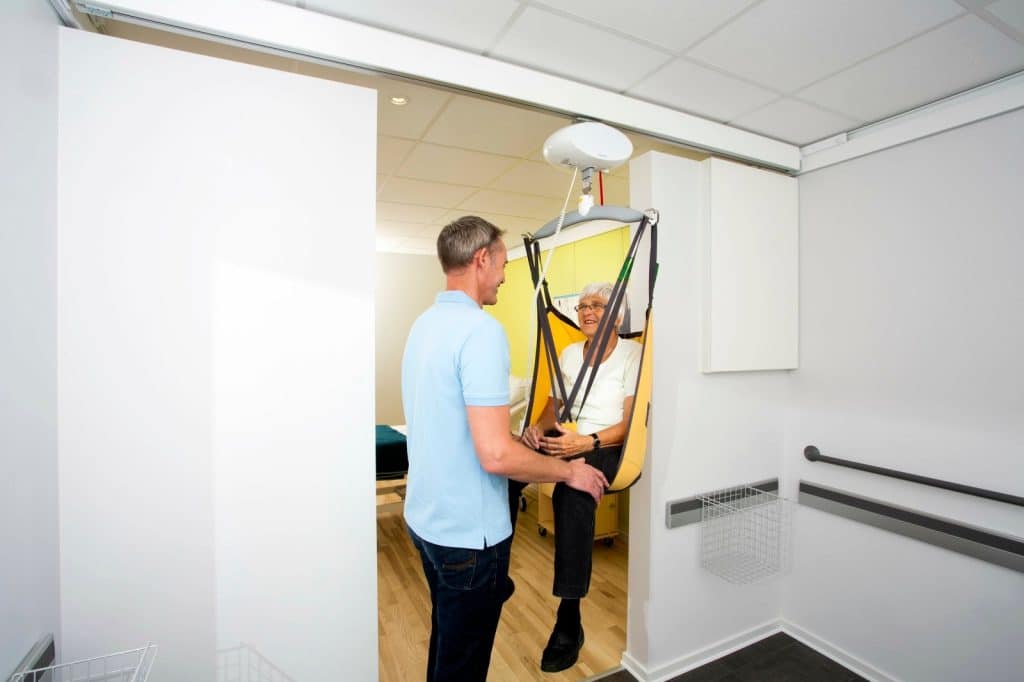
<point x="749" y="269"/>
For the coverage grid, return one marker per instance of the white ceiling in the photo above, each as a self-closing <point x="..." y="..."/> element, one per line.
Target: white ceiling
<point x="444" y="155"/>
<point x="795" y="70"/>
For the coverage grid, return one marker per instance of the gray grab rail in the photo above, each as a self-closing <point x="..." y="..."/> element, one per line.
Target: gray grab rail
<point x="814" y="455"/>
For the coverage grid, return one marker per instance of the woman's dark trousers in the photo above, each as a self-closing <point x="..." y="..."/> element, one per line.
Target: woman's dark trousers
<point x="574" y="525"/>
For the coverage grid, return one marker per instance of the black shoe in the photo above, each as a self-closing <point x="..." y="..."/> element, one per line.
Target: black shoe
<point x="562" y="650"/>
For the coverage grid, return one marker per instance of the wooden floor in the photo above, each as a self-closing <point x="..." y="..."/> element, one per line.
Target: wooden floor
<point x="404" y="607"/>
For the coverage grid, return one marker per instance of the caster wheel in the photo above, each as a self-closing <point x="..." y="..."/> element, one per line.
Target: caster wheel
<point x="542" y="531"/>
<point x="522" y="504"/>
<point x="608" y="542"/>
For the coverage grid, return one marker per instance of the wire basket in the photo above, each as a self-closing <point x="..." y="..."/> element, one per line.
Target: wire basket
<point x="243" y="663"/>
<point x="124" y="666"/>
<point x="744" y="534"/>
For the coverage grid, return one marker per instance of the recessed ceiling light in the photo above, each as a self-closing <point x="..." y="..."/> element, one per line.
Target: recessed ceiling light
<point x="399" y="101"/>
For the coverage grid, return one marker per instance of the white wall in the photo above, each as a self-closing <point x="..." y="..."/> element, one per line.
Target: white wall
<point x="215" y="390"/>
<point x="28" y="328"/>
<point x="406" y="286"/>
<point x="707" y="431"/>
<point x="912" y="325"/>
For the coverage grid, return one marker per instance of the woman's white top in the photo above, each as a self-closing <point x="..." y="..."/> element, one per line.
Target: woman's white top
<point x="616" y="380"/>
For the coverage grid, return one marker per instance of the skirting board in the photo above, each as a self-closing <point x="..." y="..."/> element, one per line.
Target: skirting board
<point x="843" y="658"/>
<point x="731" y="644"/>
<point x="698" y="658"/>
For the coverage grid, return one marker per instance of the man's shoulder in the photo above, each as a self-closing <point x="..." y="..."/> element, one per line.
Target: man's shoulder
<point x="482" y="321"/>
<point x="455" y="317"/>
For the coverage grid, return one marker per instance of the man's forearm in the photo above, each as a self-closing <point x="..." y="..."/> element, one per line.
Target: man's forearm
<point x="516" y="461"/>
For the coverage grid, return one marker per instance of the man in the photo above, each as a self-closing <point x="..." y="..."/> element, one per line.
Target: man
<point x="461" y="453"/>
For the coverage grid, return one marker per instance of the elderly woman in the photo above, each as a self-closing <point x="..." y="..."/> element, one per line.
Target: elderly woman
<point x="600" y="431"/>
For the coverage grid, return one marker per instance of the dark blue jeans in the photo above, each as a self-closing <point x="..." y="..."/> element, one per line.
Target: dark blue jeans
<point x="467" y="590"/>
<point x="574" y="525"/>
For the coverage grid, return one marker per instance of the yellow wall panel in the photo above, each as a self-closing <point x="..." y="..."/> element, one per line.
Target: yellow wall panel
<point x="595" y="259"/>
<point x="515" y="312"/>
<point x="562" y="272"/>
<point x="599" y="258"/>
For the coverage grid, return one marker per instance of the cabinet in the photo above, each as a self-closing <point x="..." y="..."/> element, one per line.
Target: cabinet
<point x="749" y="267"/>
<point x="606" y="518"/>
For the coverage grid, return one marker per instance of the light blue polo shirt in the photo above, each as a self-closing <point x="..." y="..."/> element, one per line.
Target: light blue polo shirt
<point x="456" y="355"/>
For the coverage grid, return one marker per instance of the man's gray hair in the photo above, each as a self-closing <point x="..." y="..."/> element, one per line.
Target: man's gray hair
<point x="462" y="238"/>
<point x="604" y="290"/>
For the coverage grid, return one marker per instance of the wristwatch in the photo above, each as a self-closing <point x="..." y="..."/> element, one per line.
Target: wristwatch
<point x="597" y="441"/>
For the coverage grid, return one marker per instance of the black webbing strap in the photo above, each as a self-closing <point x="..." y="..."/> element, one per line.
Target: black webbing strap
<point x="606" y="327"/>
<point x="543" y="326"/>
<point x="652" y="267"/>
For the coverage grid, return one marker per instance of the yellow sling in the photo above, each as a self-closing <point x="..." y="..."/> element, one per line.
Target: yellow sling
<point x="555" y="331"/>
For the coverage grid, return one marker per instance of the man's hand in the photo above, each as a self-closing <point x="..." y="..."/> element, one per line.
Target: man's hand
<point x="532" y="436"/>
<point x="587" y="479"/>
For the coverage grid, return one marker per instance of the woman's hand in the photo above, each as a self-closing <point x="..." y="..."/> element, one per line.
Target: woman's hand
<point x="532" y="436"/>
<point x="566" y="444"/>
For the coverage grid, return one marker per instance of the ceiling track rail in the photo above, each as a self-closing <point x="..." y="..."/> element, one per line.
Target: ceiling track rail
<point x="301" y="34"/>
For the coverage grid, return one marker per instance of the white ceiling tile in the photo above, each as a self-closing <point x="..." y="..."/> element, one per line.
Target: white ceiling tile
<point x="698" y="90"/>
<point x="466" y="24"/>
<point x="551" y="43"/>
<point x="385" y="243"/>
<point x="406" y="191"/>
<point x="787" y="44"/>
<point x="487" y="126"/>
<point x="507" y="203"/>
<point x="412" y="119"/>
<point x="1010" y="12"/>
<point x="390" y="153"/>
<point x="673" y="24"/>
<point x="396" y="228"/>
<point x="794" y="122"/>
<point x="409" y="121"/>
<point x="452" y="165"/>
<point x="950" y="59"/>
<point x="408" y="213"/>
<point x="514" y="227"/>
<point x="616" y="190"/>
<point x="641" y="144"/>
<point x="540" y="178"/>
<point x="424" y="245"/>
<point x="431" y="231"/>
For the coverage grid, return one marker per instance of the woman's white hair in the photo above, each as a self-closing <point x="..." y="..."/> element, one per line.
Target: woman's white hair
<point x="604" y="290"/>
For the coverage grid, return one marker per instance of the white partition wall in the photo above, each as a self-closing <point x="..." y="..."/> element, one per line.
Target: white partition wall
<point x="215" y="363"/>
<point x="707" y="431"/>
<point x="912" y="324"/>
<point x="28" y="328"/>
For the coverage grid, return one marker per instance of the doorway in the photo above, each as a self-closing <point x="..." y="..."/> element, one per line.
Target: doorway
<point x="442" y="154"/>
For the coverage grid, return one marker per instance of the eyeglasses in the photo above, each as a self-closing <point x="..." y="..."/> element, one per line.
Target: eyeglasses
<point x="584" y="307"/>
